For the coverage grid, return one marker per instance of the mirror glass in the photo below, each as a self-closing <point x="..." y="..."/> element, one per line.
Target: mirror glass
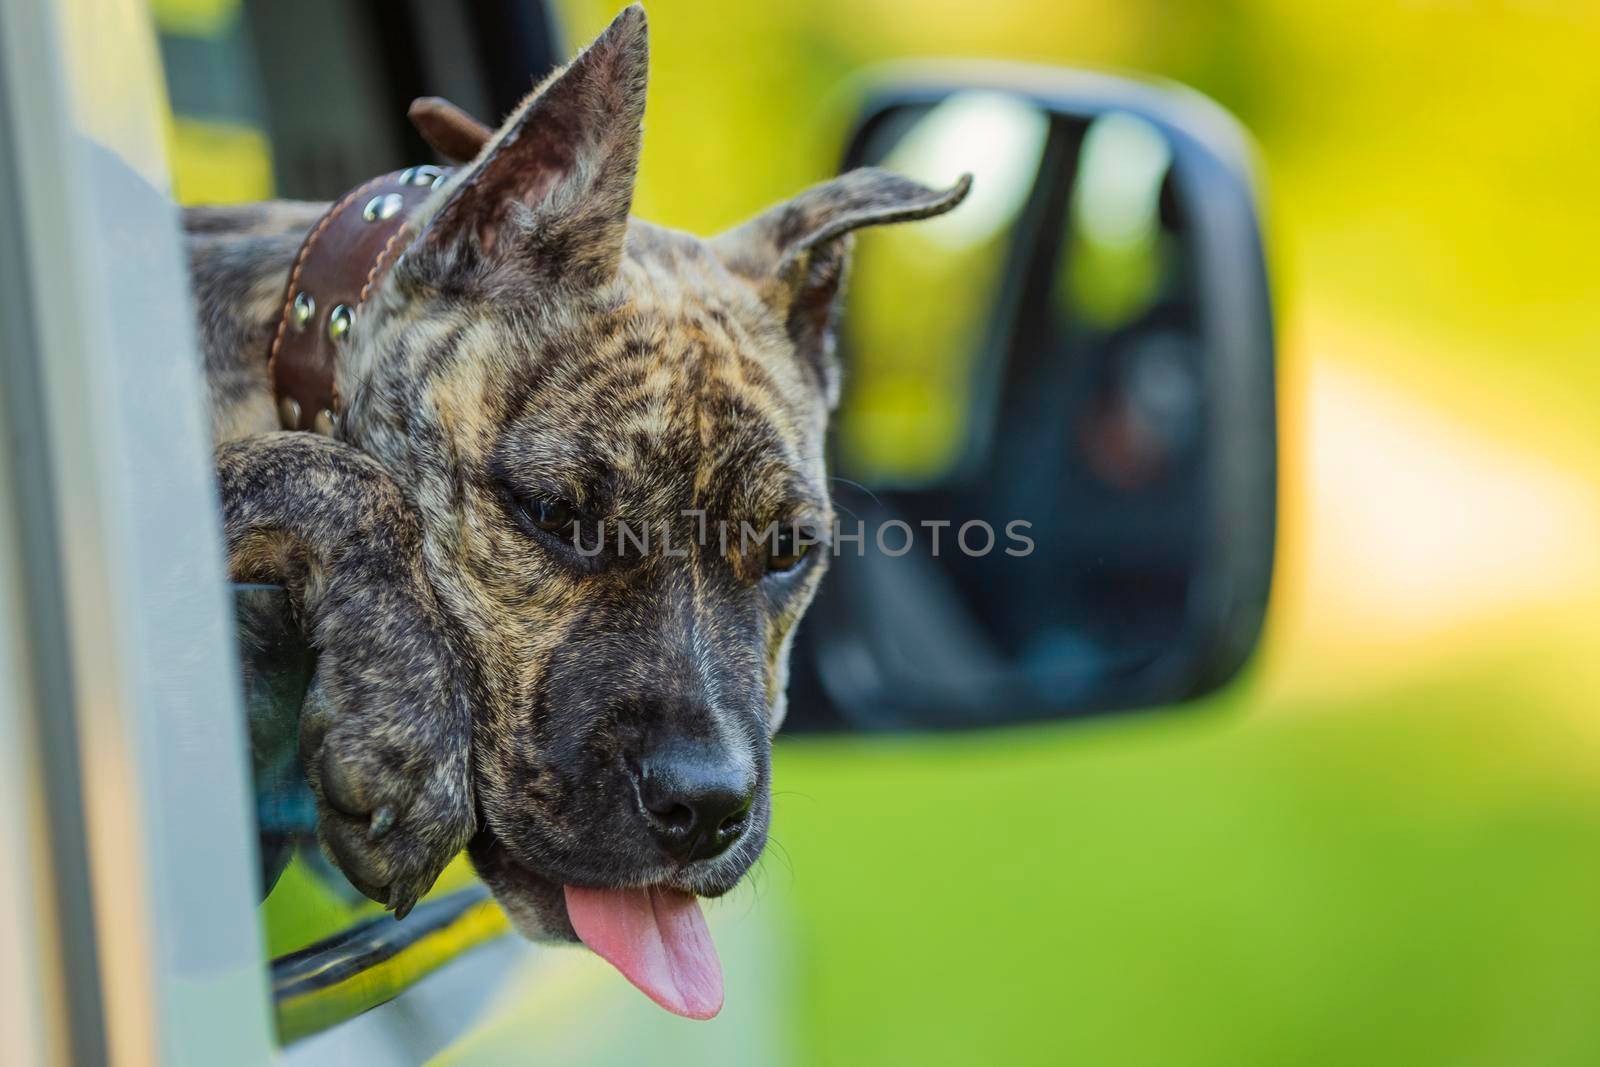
<point x="1020" y="437"/>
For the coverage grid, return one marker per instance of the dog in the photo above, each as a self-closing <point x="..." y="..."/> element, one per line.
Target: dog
<point x="592" y="725"/>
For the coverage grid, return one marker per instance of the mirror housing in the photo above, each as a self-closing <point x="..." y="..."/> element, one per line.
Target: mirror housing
<point x="889" y="643"/>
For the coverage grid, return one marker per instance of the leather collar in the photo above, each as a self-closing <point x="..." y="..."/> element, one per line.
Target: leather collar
<point x="339" y="264"/>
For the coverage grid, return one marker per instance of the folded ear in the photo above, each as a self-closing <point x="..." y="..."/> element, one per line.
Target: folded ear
<point x="549" y="194"/>
<point x="449" y="131"/>
<point x="797" y="253"/>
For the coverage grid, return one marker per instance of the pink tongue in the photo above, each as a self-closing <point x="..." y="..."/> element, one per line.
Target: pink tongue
<point x="658" y="939"/>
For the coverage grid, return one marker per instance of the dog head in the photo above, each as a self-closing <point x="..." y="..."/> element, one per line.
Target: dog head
<point x="614" y="436"/>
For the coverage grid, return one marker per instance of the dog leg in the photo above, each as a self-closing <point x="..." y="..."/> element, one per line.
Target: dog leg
<point x="386" y="729"/>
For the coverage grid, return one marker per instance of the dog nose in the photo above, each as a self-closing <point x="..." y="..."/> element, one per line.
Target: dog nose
<point x="696" y="799"/>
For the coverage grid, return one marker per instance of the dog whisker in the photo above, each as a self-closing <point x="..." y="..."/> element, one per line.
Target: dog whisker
<point x="853" y="484"/>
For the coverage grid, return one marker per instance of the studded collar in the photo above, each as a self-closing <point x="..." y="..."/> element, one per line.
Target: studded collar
<point x="338" y="266"/>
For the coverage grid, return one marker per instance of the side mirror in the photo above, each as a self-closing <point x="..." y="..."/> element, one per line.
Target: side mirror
<point x="1064" y="392"/>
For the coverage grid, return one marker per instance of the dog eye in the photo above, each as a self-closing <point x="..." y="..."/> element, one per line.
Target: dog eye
<point x="788" y="550"/>
<point x="551" y="516"/>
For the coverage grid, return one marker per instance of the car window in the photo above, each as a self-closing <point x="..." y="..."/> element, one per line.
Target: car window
<point x="261" y="108"/>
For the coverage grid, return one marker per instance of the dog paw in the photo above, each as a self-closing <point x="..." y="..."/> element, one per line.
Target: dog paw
<point x="384" y="740"/>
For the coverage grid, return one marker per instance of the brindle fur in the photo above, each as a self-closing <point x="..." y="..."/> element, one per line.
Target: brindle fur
<point x="480" y="683"/>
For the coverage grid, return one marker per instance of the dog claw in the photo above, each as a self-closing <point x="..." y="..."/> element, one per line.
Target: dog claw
<point x="382" y="822"/>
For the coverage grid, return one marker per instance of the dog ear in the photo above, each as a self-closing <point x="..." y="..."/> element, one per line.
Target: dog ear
<point x="797" y="253"/>
<point x="449" y="131"/>
<point x="550" y="192"/>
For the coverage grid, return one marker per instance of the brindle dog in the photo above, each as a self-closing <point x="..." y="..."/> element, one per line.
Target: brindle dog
<point x="538" y="363"/>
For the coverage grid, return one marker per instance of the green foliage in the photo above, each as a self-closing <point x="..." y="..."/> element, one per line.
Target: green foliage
<point x="1402" y="880"/>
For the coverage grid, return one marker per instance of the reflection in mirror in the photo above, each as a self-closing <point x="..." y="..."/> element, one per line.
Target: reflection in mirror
<point x="1031" y="363"/>
<point x="911" y="372"/>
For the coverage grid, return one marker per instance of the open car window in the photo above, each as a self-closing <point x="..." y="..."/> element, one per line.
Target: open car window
<point x="260" y="108"/>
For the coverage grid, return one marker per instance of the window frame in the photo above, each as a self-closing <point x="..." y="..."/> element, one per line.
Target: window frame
<point x="150" y="950"/>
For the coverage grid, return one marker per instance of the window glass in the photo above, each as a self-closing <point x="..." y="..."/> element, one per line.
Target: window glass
<point x="217" y="141"/>
<point x="911" y="376"/>
<point x="1029" y="365"/>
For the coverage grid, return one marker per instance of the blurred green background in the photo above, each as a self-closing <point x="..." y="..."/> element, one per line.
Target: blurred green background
<point x="1383" y="844"/>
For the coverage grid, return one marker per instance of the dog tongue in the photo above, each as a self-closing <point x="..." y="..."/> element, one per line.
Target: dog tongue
<point x="658" y="939"/>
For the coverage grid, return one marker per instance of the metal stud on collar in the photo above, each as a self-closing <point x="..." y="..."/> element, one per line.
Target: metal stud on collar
<point x="382" y="207"/>
<point x="305" y="306"/>
<point x="354" y="244"/>
<point x="340" y="319"/>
